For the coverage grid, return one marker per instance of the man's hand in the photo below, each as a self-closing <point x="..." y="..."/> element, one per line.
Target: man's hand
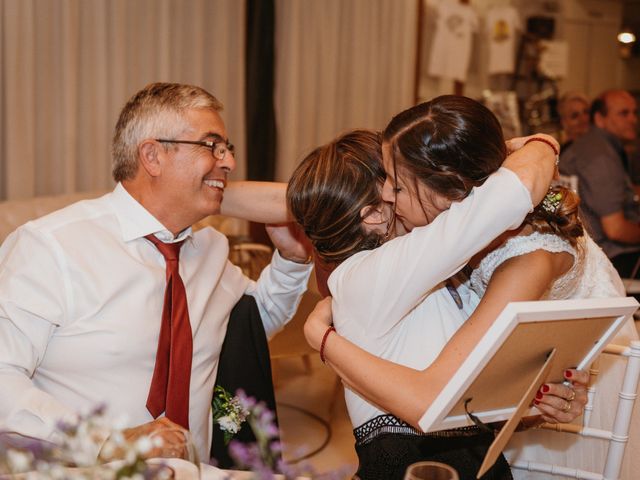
<point x="175" y="440"/>
<point x="559" y="403"/>
<point x="290" y="241"/>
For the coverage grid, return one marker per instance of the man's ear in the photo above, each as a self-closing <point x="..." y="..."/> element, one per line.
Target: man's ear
<point x="598" y="120"/>
<point x="372" y="215"/>
<point x="149" y="153"/>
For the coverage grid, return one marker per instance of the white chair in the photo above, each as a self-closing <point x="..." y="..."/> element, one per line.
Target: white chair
<point x="617" y="437"/>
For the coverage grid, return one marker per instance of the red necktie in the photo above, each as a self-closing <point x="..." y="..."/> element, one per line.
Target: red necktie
<point x="169" y="391"/>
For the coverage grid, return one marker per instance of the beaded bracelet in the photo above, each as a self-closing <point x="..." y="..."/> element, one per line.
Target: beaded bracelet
<point x="544" y="140"/>
<point x="324" y="341"/>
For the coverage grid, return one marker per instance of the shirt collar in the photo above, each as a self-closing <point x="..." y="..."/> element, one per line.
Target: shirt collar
<point x="136" y="221"/>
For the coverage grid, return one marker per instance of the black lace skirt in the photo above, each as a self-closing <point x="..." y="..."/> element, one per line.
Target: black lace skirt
<point x="388" y="446"/>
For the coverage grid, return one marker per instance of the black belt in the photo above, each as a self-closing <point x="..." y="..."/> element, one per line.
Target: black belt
<point x="384" y="424"/>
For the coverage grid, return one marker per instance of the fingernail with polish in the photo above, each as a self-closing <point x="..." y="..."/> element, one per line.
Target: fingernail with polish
<point x="545" y="388"/>
<point x="539" y="395"/>
<point x="568" y="373"/>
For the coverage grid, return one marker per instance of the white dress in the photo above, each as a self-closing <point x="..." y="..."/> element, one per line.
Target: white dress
<point x="591" y="276"/>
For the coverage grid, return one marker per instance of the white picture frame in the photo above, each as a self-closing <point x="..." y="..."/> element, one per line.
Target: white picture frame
<point x="507" y="360"/>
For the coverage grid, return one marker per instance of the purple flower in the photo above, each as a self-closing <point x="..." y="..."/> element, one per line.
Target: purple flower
<point x="263" y="457"/>
<point x="248" y="403"/>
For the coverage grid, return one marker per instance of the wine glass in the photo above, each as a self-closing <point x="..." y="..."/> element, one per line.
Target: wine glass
<point x="430" y="471"/>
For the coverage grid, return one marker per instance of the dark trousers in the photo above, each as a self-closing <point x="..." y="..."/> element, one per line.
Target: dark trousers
<point x="387" y="456"/>
<point x="244" y="363"/>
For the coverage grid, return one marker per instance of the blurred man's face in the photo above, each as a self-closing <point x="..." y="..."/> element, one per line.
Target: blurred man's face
<point x="575" y="118"/>
<point x="621" y="119"/>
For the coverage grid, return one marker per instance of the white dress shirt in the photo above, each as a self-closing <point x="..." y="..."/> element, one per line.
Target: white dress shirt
<point x="390" y="302"/>
<point x="81" y="298"/>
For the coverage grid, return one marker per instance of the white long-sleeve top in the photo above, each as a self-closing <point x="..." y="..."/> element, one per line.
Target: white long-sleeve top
<point x="390" y="302"/>
<point x="81" y="298"/>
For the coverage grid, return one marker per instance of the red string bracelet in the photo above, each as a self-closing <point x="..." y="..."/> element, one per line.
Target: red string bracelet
<point x="324" y="341"/>
<point x="544" y="140"/>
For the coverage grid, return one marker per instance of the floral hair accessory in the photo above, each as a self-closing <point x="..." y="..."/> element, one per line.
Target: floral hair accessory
<point x="551" y="202"/>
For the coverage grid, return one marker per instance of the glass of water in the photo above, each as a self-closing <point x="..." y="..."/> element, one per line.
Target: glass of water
<point x="430" y="471"/>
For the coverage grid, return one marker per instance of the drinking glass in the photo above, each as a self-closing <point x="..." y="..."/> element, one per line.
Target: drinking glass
<point x="430" y="471"/>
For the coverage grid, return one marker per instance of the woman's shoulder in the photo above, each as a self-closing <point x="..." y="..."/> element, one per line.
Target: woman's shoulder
<point x="516" y="246"/>
<point x="538" y="240"/>
<point x="525" y="243"/>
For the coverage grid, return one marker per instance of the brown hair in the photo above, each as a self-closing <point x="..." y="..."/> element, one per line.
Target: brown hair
<point x="331" y="186"/>
<point x="564" y="221"/>
<point x="452" y="144"/>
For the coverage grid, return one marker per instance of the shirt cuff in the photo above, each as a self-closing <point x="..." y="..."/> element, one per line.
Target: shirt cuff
<point x="282" y="264"/>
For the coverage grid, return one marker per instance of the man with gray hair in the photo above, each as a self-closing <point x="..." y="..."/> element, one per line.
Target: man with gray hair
<point x="82" y="316"/>
<point x="598" y="159"/>
<point x="573" y="108"/>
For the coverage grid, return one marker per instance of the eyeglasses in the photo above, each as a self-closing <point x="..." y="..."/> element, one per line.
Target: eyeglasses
<point x="218" y="149"/>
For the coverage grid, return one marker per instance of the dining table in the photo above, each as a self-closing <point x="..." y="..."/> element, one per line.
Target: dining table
<point x="184" y="470"/>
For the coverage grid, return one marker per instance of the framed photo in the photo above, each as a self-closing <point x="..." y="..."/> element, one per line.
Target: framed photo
<point x="501" y="368"/>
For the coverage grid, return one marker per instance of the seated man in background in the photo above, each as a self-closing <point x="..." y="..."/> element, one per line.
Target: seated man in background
<point x="609" y="202"/>
<point x="573" y="109"/>
<point x="82" y="316"/>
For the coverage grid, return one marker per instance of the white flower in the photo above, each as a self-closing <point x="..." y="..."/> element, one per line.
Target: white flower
<point x="19" y="461"/>
<point x="228" y="424"/>
<point x="157" y="441"/>
<point x="108" y="450"/>
<point x="130" y="457"/>
<point x="78" y="443"/>
<point x="57" y="472"/>
<point x="120" y="422"/>
<point x="143" y="445"/>
<point x="118" y="438"/>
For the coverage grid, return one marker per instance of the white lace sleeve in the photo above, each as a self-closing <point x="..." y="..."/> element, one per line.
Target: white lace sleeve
<point x="521" y="245"/>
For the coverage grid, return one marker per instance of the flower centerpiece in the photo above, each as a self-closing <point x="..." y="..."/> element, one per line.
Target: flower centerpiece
<point x="73" y="454"/>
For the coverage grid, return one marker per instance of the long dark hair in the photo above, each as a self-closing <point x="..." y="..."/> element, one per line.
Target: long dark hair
<point x="452" y="144"/>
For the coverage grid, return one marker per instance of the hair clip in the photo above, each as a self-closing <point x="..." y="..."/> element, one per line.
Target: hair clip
<point x="551" y="202"/>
